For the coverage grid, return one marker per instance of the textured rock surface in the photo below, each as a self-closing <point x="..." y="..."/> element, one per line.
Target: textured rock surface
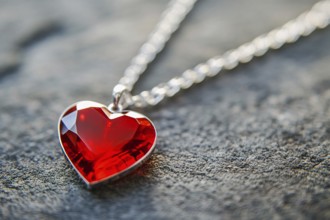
<point x="252" y="144"/>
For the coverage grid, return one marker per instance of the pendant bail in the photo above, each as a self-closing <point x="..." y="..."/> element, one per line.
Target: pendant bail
<point x="121" y="96"/>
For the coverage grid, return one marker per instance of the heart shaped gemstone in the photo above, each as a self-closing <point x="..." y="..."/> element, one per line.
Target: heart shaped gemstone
<point x="102" y="145"/>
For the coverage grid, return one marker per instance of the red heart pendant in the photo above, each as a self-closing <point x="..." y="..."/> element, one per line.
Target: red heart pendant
<point x="102" y="145"/>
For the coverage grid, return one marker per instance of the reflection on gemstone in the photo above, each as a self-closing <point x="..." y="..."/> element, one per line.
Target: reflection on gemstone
<point x="101" y="144"/>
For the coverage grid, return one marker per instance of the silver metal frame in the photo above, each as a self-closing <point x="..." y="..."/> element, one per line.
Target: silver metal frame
<point x="114" y="177"/>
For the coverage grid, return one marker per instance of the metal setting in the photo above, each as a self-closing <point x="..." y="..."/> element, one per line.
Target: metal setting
<point x="121" y="97"/>
<point x="117" y="175"/>
<point x="317" y="17"/>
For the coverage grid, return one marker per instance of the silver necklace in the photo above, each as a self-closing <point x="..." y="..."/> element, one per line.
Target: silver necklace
<point x="103" y="143"/>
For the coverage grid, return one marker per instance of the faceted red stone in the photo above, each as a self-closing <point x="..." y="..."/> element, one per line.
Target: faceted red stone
<point x="102" y="145"/>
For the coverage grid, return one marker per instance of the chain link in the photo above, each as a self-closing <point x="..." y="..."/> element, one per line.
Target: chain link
<point x="317" y="17"/>
<point x="169" y="23"/>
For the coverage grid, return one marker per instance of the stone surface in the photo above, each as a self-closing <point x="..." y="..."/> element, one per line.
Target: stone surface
<point x="252" y="144"/>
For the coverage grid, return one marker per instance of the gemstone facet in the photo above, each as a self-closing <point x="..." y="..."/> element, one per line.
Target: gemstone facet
<point x="102" y="145"/>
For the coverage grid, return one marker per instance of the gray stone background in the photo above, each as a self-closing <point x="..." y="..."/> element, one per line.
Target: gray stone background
<point x="252" y="144"/>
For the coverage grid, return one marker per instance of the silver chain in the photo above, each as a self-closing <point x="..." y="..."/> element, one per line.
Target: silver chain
<point x="317" y="17"/>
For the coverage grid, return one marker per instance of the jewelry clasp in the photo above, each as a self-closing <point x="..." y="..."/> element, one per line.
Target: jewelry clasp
<point x="121" y="96"/>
